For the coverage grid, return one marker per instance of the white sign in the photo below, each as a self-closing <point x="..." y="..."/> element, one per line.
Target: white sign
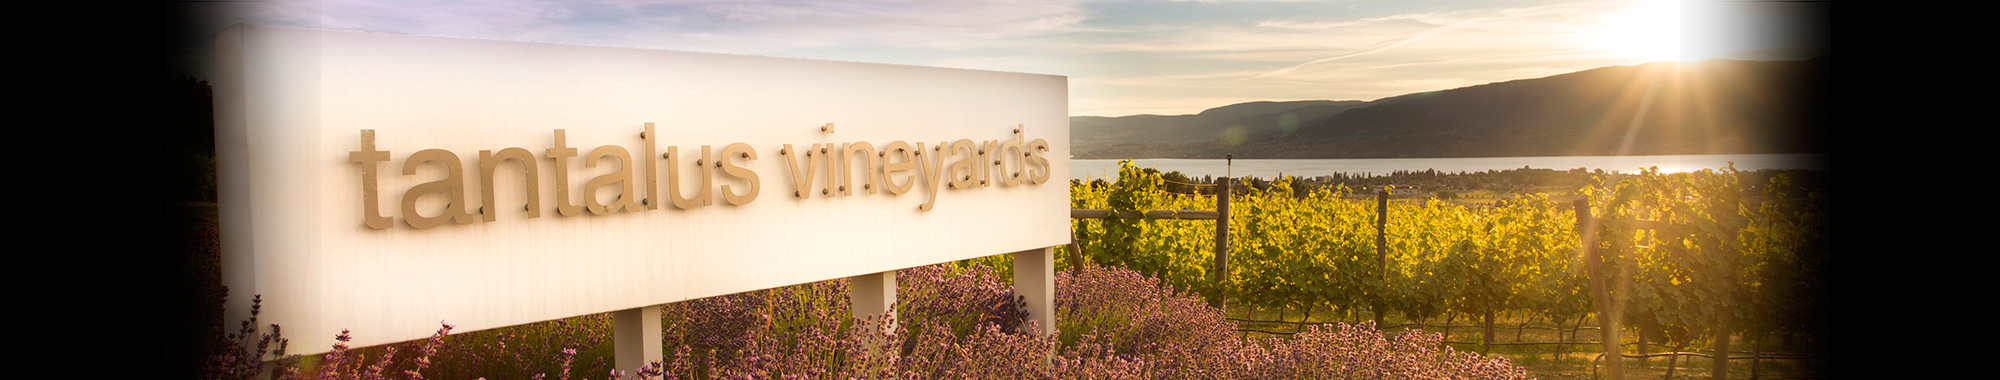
<point x="383" y="182"/>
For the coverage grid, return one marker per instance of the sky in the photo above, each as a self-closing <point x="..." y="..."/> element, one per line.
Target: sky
<point x="1121" y="57"/>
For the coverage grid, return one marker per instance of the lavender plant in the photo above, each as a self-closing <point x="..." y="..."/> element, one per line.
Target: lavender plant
<point x="235" y="360"/>
<point x="951" y="322"/>
<point x="521" y="351"/>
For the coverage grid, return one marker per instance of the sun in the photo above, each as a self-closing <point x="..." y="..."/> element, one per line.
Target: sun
<point x="1649" y="30"/>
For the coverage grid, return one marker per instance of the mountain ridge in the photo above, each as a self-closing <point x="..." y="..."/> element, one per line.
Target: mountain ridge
<point x="1708" y="107"/>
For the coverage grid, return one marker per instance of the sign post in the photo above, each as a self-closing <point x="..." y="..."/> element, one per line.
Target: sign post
<point x="636" y="337"/>
<point x="1035" y="281"/>
<point x="384" y="182"/>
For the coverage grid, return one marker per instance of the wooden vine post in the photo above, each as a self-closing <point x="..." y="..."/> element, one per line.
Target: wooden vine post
<point x="1381" y="255"/>
<point x="1220" y="274"/>
<point x="1075" y="253"/>
<point x="1607" y="310"/>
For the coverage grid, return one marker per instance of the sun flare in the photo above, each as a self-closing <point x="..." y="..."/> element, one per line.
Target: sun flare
<point x="1650" y="30"/>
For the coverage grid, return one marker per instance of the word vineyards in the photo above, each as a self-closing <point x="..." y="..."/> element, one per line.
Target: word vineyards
<point x="895" y="168"/>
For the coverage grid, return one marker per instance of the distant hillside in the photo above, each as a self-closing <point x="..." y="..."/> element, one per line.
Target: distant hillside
<point x="1254" y="117"/>
<point x="1709" y="107"/>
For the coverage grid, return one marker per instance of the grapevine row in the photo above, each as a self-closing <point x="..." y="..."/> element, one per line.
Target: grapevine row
<point x="1687" y="257"/>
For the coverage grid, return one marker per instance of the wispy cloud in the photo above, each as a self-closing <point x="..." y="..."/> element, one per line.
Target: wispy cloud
<point x="1513" y="23"/>
<point x="713" y="25"/>
<point x="1433" y="32"/>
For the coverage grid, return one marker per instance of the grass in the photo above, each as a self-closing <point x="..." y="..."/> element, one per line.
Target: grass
<point x="1546" y="362"/>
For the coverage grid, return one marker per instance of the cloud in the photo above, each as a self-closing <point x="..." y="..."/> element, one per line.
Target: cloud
<point x="1447" y="36"/>
<point x="715" y="25"/>
<point x="1433" y="32"/>
<point x="775" y="26"/>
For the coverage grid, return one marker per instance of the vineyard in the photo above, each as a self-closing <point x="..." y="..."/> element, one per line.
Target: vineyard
<point x="1682" y="261"/>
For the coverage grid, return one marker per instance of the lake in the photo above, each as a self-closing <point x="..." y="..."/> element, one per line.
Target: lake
<point x="1271" y="168"/>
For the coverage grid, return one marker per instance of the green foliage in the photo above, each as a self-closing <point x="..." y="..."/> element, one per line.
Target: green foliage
<point x="1684" y="273"/>
<point x="1295" y="252"/>
<point x="1513" y="256"/>
<point x="1713" y="262"/>
<point x="1135" y="191"/>
<point x="1174" y="251"/>
<point x="1790" y="255"/>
